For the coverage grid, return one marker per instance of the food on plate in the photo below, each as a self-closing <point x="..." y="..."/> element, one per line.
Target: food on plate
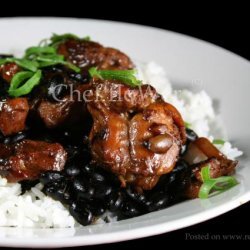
<point x="85" y="137"/>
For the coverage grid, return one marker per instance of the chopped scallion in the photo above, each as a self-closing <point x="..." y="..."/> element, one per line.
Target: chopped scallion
<point x="125" y="76"/>
<point x="27" y="86"/>
<point x="211" y="185"/>
<point x="218" y="141"/>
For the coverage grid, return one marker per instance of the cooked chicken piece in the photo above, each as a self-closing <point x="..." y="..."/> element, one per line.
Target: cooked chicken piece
<point x="136" y="140"/>
<point x="8" y="70"/>
<point x="59" y="113"/>
<point x="13" y="114"/>
<point x="86" y="54"/>
<point x="83" y="54"/>
<point x="28" y="159"/>
<point x="201" y="153"/>
<point x="51" y="101"/>
<point x="155" y="139"/>
<point x="109" y="138"/>
<point x="120" y="97"/>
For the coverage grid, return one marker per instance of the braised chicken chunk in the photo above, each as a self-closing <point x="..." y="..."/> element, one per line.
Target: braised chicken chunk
<point x="28" y="159"/>
<point x="86" y="54"/>
<point x="13" y="114"/>
<point x="201" y="153"/>
<point x="57" y="84"/>
<point x="137" y="139"/>
<point x="7" y="71"/>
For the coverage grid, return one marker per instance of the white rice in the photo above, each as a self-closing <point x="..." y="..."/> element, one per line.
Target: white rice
<point x="34" y="209"/>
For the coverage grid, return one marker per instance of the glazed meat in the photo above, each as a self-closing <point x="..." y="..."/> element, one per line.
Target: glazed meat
<point x="201" y="153"/>
<point x="139" y="140"/>
<point x="28" y="159"/>
<point x="13" y="114"/>
<point x="56" y="114"/>
<point x="86" y="54"/>
<point x="8" y="70"/>
<point x="120" y="97"/>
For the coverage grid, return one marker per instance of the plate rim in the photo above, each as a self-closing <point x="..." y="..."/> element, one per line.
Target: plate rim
<point x="135" y="233"/>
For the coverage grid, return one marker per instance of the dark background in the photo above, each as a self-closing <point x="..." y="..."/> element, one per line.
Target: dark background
<point x="221" y="25"/>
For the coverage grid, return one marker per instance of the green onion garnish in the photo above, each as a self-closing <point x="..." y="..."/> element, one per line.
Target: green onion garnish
<point x="23" y="63"/>
<point x="218" y="141"/>
<point x="34" y="51"/>
<point x="214" y="185"/>
<point x="19" y="78"/>
<point x="57" y="39"/>
<point x="35" y="58"/>
<point x="73" y="67"/>
<point x="125" y="76"/>
<point x="27" y="86"/>
<point x="187" y="124"/>
<point x="60" y="38"/>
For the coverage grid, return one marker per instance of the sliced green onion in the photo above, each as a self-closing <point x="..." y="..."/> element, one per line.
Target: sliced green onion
<point x="44" y="42"/>
<point x="86" y="38"/>
<point x="205" y="173"/>
<point x="125" y="76"/>
<point x="72" y="66"/>
<point x="19" y="78"/>
<point x="218" y="141"/>
<point x="2" y="61"/>
<point x="37" y="57"/>
<point x="26" y="64"/>
<point x="39" y="50"/>
<point x="211" y="185"/>
<point x="188" y="125"/>
<point x="27" y="87"/>
<point x="51" y="58"/>
<point x="47" y="64"/>
<point x="58" y="38"/>
<point x="46" y="61"/>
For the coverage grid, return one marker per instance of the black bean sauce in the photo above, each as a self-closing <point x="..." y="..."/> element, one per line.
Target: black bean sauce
<point x="90" y="191"/>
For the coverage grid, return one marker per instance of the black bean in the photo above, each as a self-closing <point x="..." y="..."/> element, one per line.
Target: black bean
<point x="58" y="193"/>
<point x="82" y="189"/>
<point x="4" y="86"/>
<point x="191" y="135"/>
<point x="7" y="140"/>
<point x="3" y="161"/>
<point x="80" y="77"/>
<point x="102" y="191"/>
<point x="51" y="177"/>
<point x="56" y="88"/>
<point x="97" y="208"/>
<point x="19" y="137"/>
<point x="180" y="166"/>
<point x="26" y="185"/>
<point x="140" y="198"/>
<point x="114" y="202"/>
<point x="97" y="177"/>
<point x="87" y="169"/>
<point x="72" y="151"/>
<point x="81" y="213"/>
<point x="130" y="210"/>
<point x="72" y="170"/>
<point x="54" y="69"/>
<point x="158" y="201"/>
<point x="183" y="149"/>
<point x="79" y="186"/>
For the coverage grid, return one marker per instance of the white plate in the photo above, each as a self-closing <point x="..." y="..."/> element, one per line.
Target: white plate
<point x="224" y="75"/>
